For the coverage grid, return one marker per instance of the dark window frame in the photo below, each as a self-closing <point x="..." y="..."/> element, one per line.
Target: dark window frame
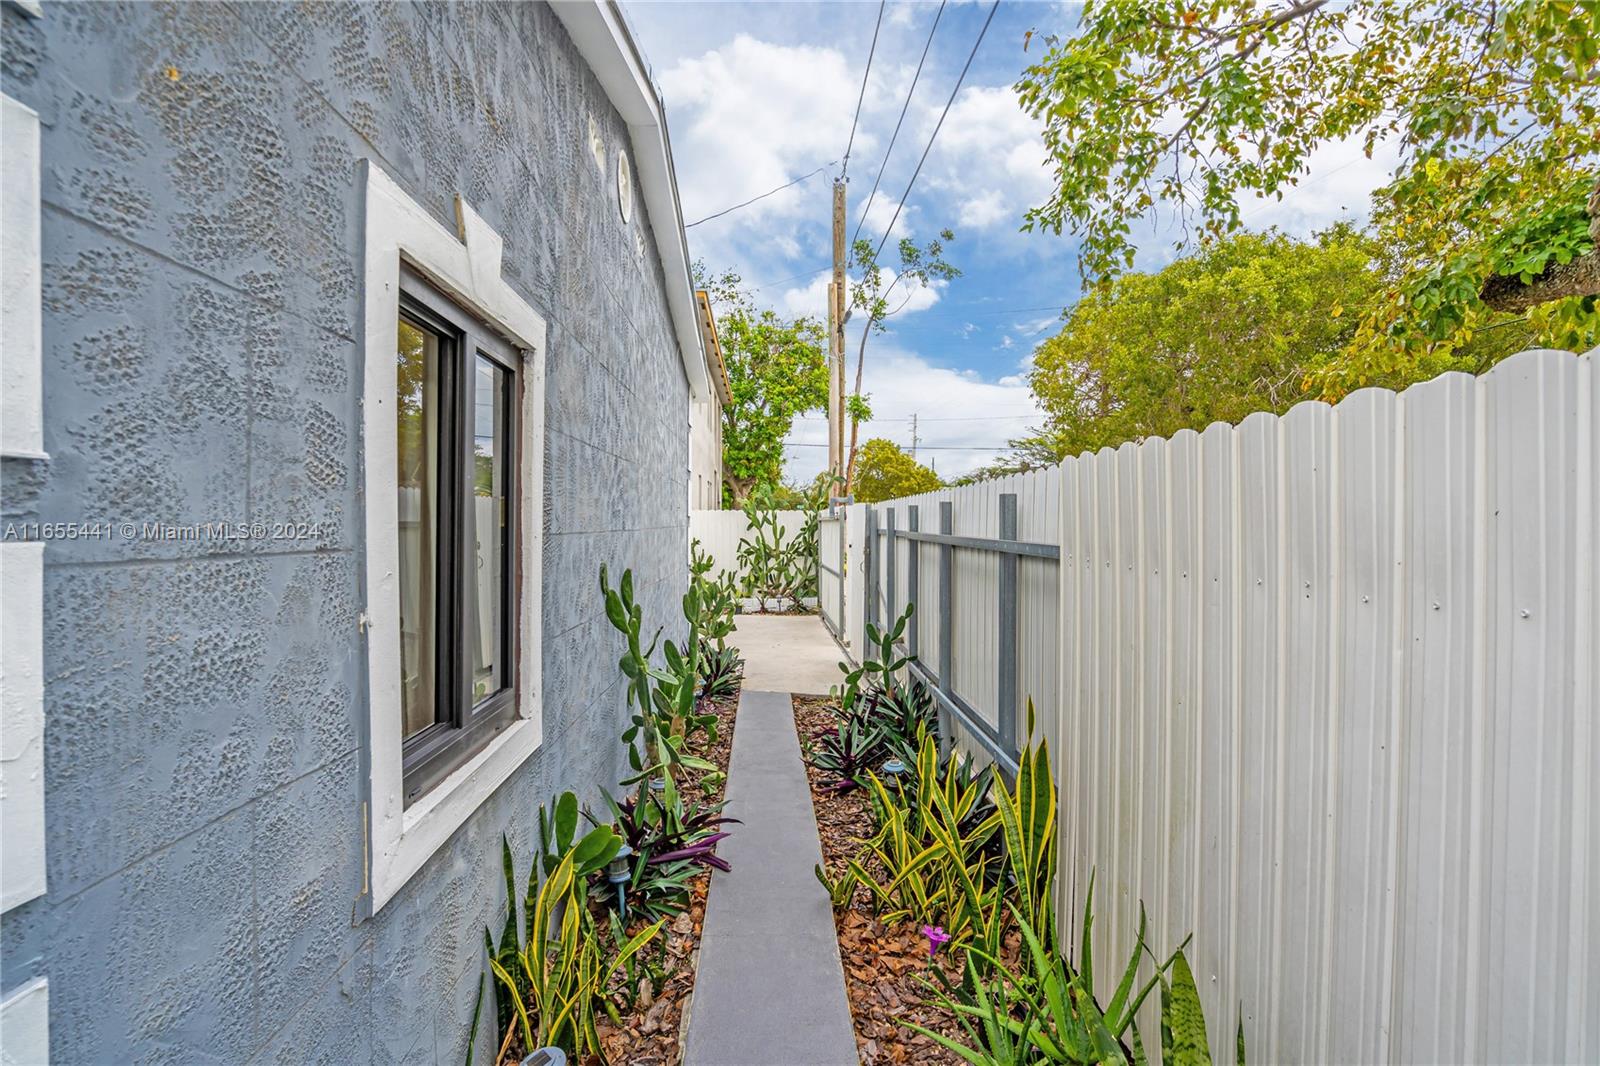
<point x="462" y="727"/>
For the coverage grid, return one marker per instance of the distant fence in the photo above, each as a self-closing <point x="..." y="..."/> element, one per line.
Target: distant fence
<point x="719" y="533"/>
<point x="1321" y="690"/>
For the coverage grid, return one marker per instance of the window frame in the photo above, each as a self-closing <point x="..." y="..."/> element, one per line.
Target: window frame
<point x="463" y="264"/>
<point x="463" y="727"/>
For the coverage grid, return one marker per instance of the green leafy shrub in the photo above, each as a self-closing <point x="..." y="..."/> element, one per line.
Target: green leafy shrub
<point x="900" y="708"/>
<point x="548" y="970"/>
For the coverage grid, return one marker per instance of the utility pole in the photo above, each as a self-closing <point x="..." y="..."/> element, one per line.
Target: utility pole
<point x="836" y="305"/>
<point x="914" y="436"/>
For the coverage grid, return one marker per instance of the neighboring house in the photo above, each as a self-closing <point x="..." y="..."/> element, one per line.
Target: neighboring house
<point x="705" y="418"/>
<point x="312" y="311"/>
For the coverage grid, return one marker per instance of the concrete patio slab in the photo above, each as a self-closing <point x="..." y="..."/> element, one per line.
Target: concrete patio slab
<point x="770" y="987"/>
<point x="787" y="653"/>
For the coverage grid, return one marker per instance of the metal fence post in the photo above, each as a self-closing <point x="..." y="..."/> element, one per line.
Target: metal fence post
<point x="913" y="549"/>
<point x="947" y="526"/>
<point x="869" y="610"/>
<point x="1007" y="690"/>
<point x="890" y="613"/>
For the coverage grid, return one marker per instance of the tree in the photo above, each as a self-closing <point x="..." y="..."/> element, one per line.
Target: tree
<point x="777" y="369"/>
<point x="1493" y="214"/>
<point x="918" y="267"/>
<point x="1244" y="325"/>
<point x="886" y="472"/>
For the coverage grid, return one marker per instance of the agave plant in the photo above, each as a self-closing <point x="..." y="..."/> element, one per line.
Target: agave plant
<point x="939" y="865"/>
<point x="720" y="671"/>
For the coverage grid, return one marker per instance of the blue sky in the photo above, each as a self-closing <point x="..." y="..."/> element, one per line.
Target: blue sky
<point x="759" y="94"/>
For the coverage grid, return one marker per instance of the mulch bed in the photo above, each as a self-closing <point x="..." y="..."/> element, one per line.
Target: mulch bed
<point x="651" y="1034"/>
<point x="884" y="966"/>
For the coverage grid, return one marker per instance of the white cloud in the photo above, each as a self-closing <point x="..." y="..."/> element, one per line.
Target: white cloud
<point x="1339" y="185"/>
<point x="810" y="299"/>
<point x="1006" y="341"/>
<point x="758" y="115"/>
<point x="957" y="410"/>
<point x="1036" y="326"/>
<point x="909" y="297"/>
<point x="989" y="158"/>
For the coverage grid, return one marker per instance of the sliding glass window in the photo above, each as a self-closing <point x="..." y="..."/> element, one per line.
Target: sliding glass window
<point x="456" y="409"/>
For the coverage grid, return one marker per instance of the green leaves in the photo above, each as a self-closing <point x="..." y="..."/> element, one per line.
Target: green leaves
<point x="885" y="472"/>
<point x="1150" y="114"/>
<point x="777" y="369"/>
<point x="1183" y="1022"/>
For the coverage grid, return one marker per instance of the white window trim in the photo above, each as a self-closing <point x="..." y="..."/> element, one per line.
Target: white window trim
<point x="467" y="267"/>
<point x="21" y="313"/>
<point x="25" y="1024"/>
<point x="22" y="838"/>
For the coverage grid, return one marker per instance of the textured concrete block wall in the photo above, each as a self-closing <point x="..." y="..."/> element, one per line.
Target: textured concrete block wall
<point x="202" y="263"/>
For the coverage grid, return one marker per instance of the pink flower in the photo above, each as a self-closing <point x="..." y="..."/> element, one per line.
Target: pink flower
<point x="936" y="936"/>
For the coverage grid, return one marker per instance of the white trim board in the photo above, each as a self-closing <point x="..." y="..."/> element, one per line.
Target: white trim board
<point x="21" y="314"/>
<point x="467" y="266"/>
<point x="22" y="838"/>
<point x="25" y="1025"/>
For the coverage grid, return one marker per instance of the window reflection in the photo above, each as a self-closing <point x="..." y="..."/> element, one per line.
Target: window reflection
<point x="417" y="403"/>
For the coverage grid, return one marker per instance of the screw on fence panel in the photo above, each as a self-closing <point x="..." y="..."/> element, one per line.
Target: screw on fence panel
<point x="890" y="610"/>
<point x="1007" y="689"/>
<point x="913" y="549"/>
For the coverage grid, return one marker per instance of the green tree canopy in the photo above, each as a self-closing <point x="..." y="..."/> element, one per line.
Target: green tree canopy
<point x="885" y="472"/>
<point x="777" y="369"/>
<point x="1494" y="105"/>
<point x="1244" y="325"/>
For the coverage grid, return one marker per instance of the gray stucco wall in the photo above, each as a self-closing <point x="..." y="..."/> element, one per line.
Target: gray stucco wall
<point x="202" y="280"/>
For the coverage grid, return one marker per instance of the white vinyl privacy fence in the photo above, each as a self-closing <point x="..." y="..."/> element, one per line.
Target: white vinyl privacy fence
<point x="719" y="533"/>
<point x="1320" y="690"/>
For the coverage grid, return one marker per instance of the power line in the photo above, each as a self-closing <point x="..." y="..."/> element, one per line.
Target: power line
<point x="863" y="94"/>
<point x="763" y="196"/>
<point x="972" y="55"/>
<point x="896" y="135"/>
<point x="791" y="277"/>
<point x="942" y="418"/>
<point x="924" y="447"/>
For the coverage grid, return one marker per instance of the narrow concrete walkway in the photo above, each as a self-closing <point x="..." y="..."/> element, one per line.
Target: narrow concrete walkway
<point x="770" y="988"/>
<point x="787" y="653"/>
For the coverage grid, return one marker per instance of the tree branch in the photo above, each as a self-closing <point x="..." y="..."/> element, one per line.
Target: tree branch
<point x="1578" y="277"/>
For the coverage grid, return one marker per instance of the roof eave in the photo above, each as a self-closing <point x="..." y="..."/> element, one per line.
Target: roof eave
<point x="602" y="37"/>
